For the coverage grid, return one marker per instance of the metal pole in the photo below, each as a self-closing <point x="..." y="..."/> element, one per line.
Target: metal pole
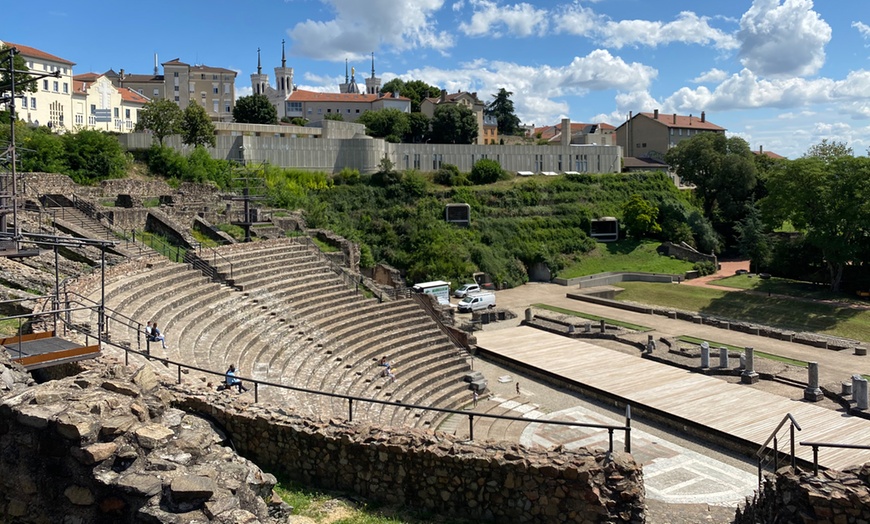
<point x="350" y="410"/>
<point x="816" y="461"/>
<point x="791" y="434"/>
<point x="102" y="315"/>
<point x="256" y="392"/>
<point x="470" y="426"/>
<point x="179" y="373"/>
<point x="628" y="428"/>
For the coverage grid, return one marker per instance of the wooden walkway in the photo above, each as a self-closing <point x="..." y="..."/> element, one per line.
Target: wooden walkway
<point x="736" y="410"/>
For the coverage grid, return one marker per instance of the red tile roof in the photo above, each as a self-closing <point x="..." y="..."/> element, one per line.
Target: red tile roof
<point x="32" y="52"/>
<point x="300" y="95"/>
<point x="768" y="154"/>
<point x="133" y="97"/>
<point x="674" y="120"/>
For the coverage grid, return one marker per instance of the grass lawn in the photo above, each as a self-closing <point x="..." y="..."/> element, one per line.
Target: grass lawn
<point x="596" y="318"/>
<point x="784" y="286"/>
<point x="780" y="312"/>
<point x="625" y="255"/>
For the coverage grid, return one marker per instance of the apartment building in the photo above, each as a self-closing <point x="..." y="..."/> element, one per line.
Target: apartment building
<point x="462" y="98"/>
<point x="652" y="134"/>
<point x="213" y="88"/>
<point x="51" y="103"/>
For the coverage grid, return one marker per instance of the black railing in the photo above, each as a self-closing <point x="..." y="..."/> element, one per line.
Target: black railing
<point x="817" y="445"/>
<point x="765" y="455"/>
<point x="199" y="259"/>
<point x="351" y="399"/>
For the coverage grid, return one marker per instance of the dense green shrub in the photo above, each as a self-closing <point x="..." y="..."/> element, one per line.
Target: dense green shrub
<point x="704" y="268"/>
<point x="485" y="171"/>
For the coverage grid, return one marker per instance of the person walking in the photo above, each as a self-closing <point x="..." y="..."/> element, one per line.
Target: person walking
<point x="475" y="397"/>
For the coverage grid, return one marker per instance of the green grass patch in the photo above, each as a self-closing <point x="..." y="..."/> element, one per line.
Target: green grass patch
<point x="151" y="202"/>
<point x="204" y="240"/>
<point x="321" y="506"/>
<point x="625" y="255"/>
<point x="776" y="311"/>
<point x="162" y="245"/>
<point x="109" y="202"/>
<point x="324" y="247"/>
<point x="596" y="318"/>
<point x="237" y="232"/>
<point x="761" y="354"/>
<point x="785" y="286"/>
<point x="9" y="327"/>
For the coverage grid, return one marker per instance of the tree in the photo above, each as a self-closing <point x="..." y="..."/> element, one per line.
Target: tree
<point x="23" y="82"/>
<point x="418" y="128"/>
<point x="255" y="109"/>
<point x="829" y="151"/>
<point x="197" y="128"/>
<point x="640" y="217"/>
<point x="43" y="151"/>
<point x="161" y="117"/>
<point x="724" y="173"/>
<point x="415" y="90"/>
<point x="752" y="239"/>
<point x="827" y="200"/>
<point x="502" y="108"/>
<point x="453" y="124"/>
<point x="389" y="123"/>
<point x="92" y="156"/>
<point x="334" y="116"/>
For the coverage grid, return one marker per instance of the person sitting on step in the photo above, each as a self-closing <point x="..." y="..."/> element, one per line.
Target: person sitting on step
<point x="157" y="335"/>
<point x="233" y="381"/>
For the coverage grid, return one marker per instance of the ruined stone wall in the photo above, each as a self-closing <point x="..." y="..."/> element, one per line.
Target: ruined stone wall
<point x="840" y="497"/>
<point x="105" y="446"/>
<point x="496" y="482"/>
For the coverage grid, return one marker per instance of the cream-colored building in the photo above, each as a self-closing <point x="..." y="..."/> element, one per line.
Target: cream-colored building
<point x="213" y="88"/>
<point x="462" y="98"/>
<point x="98" y="104"/>
<point x="51" y="104"/>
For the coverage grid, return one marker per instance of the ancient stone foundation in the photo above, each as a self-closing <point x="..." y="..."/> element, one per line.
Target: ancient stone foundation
<point x="834" y="497"/>
<point x="495" y="482"/>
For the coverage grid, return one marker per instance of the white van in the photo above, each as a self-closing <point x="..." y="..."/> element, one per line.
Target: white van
<point x="476" y="301"/>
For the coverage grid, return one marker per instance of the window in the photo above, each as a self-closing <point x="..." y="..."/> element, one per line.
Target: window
<point x="357" y="110"/>
<point x="329" y="110"/>
<point x="24" y="103"/>
<point x="348" y="110"/>
<point x="215" y="90"/>
<point x="127" y="114"/>
<point x="214" y="77"/>
<point x="175" y="74"/>
<point x="156" y="91"/>
<point x="176" y="98"/>
<point x="191" y="87"/>
<point x="45" y="85"/>
<point x="319" y="110"/>
<point x="672" y="131"/>
<point x="226" y="88"/>
<point x="33" y="102"/>
<point x="117" y="112"/>
<point x="175" y="88"/>
<point x="214" y="105"/>
<point x="227" y="108"/>
<point x="202" y="76"/>
<point x="680" y="132"/>
<point x="93" y="108"/>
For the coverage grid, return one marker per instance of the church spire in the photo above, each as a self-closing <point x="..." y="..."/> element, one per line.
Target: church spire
<point x="283" y="57"/>
<point x="373" y="64"/>
<point x="259" y="67"/>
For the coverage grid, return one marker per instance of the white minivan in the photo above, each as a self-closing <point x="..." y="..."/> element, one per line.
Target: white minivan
<point x="476" y="301"/>
<point x="465" y="290"/>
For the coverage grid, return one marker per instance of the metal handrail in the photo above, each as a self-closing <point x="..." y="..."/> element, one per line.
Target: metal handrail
<point x="214" y="255"/>
<point x="817" y="445"/>
<point x="425" y="302"/>
<point x="763" y="452"/>
<point x="352" y="398"/>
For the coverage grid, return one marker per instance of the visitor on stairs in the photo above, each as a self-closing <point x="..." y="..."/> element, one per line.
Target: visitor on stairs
<point x="156" y="335"/>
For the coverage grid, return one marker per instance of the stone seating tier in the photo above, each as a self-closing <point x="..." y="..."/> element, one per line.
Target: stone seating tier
<point x="267" y="274"/>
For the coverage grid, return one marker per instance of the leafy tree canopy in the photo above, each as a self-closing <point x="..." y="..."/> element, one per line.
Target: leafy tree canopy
<point x="92" y="156"/>
<point x="23" y="81"/>
<point x="389" y="123"/>
<point x="418" y="128"/>
<point x="334" y="116"/>
<point x="197" y="128"/>
<point x="255" y="109"/>
<point x="162" y="117"/>
<point x="502" y="108"/>
<point x="485" y="171"/>
<point x="416" y="90"/>
<point x="829" y="151"/>
<point x="453" y="124"/>
<point x="640" y="217"/>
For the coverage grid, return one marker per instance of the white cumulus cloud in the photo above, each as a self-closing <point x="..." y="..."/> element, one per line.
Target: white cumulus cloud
<point x="494" y="20"/>
<point x="361" y="27"/>
<point x="710" y="77"/>
<point x="780" y="39"/>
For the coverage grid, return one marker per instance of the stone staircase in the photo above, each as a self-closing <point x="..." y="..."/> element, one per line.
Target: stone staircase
<point x="287" y="318"/>
<point x="79" y="224"/>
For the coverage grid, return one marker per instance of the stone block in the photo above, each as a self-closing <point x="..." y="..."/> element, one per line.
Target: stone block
<point x="139" y="484"/>
<point x="98" y="452"/>
<point x="190" y="488"/>
<point x="75" y="426"/>
<point x="153" y="435"/>
<point x="121" y="387"/>
<point x="79" y="495"/>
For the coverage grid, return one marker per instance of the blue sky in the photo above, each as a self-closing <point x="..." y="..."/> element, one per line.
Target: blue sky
<point x="779" y="73"/>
